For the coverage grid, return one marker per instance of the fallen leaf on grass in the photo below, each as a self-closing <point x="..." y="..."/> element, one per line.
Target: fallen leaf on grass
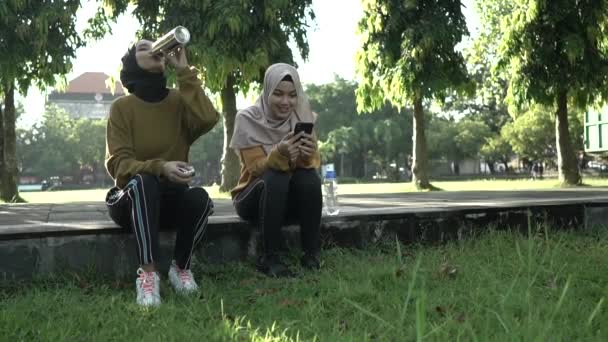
<point x="448" y="270"/>
<point x="400" y="272"/>
<point x="312" y="280"/>
<point x="461" y="317"/>
<point x="265" y="291"/>
<point x="552" y="284"/>
<point x="81" y="283"/>
<point x="342" y="325"/>
<point x="247" y="282"/>
<point x="290" y="302"/>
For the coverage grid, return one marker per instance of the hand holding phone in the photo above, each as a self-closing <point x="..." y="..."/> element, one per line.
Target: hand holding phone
<point x="305" y="127"/>
<point x="308" y="144"/>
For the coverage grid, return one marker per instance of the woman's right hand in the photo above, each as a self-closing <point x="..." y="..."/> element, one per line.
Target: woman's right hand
<point x="290" y="145"/>
<point x="178" y="172"/>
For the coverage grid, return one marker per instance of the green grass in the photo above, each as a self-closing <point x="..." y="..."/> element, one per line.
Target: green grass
<point x="346" y="189"/>
<point x="90" y="195"/>
<point x="501" y="286"/>
<point x="471" y="185"/>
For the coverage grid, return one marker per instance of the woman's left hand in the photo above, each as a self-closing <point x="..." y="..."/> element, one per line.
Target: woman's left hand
<point x="308" y="146"/>
<point x="177" y="58"/>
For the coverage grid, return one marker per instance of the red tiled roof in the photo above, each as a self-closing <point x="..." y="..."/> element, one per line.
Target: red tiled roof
<point x="92" y="83"/>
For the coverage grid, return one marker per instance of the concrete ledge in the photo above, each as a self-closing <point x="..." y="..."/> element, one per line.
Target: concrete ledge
<point x="111" y="251"/>
<point x="31" y="246"/>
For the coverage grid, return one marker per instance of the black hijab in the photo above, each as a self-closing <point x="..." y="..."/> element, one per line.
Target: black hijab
<point x="148" y="86"/>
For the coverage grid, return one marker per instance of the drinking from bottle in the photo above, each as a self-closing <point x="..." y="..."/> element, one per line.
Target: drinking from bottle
<point x="174" y="38"/>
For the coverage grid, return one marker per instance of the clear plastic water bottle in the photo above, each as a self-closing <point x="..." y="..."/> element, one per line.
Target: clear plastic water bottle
<point x="330" y="191"/>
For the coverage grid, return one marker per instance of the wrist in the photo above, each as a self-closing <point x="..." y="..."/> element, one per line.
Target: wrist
<point x="164" y="169"/>
<point x="283" y="151"/>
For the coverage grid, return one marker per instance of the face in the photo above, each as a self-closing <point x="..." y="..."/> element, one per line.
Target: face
<point x="146" y="60"/>
<point x="283" y="99"/>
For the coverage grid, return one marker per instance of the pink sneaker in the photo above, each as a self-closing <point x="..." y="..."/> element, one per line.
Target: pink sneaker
<point x="148" y="288"/>
<point x="182" y="280"/>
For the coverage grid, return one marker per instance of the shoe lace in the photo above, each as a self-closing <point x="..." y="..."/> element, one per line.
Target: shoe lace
<point x="184" y="275"/>
<point x="147" y="282"/>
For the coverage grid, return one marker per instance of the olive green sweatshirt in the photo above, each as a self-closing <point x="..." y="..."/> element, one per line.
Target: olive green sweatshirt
<point x="141" y="136"/>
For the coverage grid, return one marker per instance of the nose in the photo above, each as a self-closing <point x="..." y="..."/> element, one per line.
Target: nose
<point x="284" y="100"/>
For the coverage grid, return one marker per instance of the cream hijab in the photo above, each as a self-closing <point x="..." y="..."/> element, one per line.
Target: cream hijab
<point x="258" y="126"/>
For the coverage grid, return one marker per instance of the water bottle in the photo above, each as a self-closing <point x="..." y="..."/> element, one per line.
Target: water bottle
<point x="330" y="191"/>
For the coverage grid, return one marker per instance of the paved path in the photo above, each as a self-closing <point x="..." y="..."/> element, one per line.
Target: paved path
<point x="93" y="215"/>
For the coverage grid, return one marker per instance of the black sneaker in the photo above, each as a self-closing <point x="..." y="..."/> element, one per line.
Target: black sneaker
<point x="310" y="261"/>
<point x="272" y="266"/>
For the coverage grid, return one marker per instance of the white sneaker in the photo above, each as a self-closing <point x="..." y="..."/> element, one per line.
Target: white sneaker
<point x="182" y="280"/>
<point x="148" y="288"/>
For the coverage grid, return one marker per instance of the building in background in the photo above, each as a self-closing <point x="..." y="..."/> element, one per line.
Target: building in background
<point x="87" y="96"/>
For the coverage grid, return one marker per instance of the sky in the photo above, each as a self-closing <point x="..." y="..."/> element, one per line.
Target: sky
<point x="332" y="40"/>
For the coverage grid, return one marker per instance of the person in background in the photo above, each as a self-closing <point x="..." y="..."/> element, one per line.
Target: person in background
<point x="149" y="134"/>
<point x="279" y="181"/>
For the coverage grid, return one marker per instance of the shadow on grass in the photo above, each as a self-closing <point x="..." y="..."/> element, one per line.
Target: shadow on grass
<point x="564" y="185"/>
<point x="427" y="188"/>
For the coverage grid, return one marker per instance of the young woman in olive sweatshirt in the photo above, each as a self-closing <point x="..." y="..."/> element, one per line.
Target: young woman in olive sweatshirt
<point x="149" y="134"/>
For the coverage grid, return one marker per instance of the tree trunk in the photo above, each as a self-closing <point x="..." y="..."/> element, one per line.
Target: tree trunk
<point x="8" y="184"/>
<point x="491" y="166"/>
<point x="420" y="170"/>
<point x="566" y="159"/>
<point x="506" y="164"/>
<point x="230" y="161"/>
<point x="2" y="167"/>
<point x="456" y="167"/>
<point x="365" y="166"/>
<point x="94" y="170"/>
<point x="395" y="174"/>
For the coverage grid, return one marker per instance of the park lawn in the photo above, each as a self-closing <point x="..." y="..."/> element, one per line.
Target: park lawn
<point x="345" y="189"/>
<point x="501" y="286"/>
<point x="89" y="195"/>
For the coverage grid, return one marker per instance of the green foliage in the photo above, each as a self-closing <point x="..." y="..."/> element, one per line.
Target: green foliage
<point x="335" y="103"/>
<point x="232" y="44"/>
<point x="229" y="37"/>
<point x="50" y="148"/>
<point x="471" y="136"/>
<point x="90" y="139"/>
<point x="555" y="47"/>
<point x="60" y="145"/>
<point x="456" y="140"/>
<point x="409" y="55"/>
<point x="365" y="143"/>
<point x="408" y="51"/>
<point x="488" y="104"/>
<point x="38" y="41"/>
<point x="440" y="137"/>
<point x="206" y="153"/>
<point x="497" y="148"/>
<point x="532" y="133"/>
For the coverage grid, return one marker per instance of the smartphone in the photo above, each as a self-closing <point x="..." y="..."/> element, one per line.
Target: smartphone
<point x="303" y="127"/>
<point x="188" y="171"/>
